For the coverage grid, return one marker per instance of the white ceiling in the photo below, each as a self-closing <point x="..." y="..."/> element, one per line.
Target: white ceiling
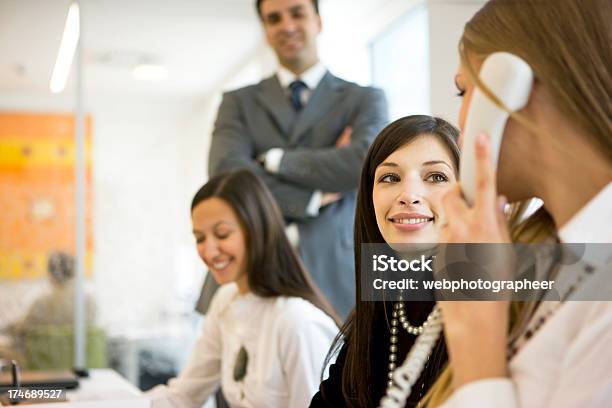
<point x="200" y="41"/>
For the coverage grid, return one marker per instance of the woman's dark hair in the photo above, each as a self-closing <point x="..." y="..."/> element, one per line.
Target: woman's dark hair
<point x="357" y="331"/>
<point x="273" y="267"/>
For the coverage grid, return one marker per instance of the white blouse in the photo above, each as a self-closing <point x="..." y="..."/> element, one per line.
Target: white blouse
<point x="568" y="362"/>
<point x="286" y="339"/>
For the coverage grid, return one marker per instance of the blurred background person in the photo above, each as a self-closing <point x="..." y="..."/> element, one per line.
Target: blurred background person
<point x="43" y="338"/>
<point x="57" y="307"/>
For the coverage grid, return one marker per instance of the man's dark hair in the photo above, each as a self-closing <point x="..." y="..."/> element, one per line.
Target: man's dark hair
<point x="315" y="3"/>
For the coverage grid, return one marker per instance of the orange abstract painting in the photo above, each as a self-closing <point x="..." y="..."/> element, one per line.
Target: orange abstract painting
<point x="37" y="186"/>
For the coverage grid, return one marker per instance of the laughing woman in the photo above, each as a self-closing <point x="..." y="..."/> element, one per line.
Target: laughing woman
<point x="268" y="329"/>
<point x="408" y="169"/>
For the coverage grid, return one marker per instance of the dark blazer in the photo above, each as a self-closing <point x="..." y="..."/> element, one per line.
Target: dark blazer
<point x="256" y="118"/>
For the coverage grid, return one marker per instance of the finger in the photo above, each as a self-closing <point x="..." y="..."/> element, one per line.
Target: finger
<point x="329" y="198"/>
<point x="502" y="219"/>
<point x="502" y="202"/>
<point x="345" y="137"/>
<point x="349" y="133"/>
<point x="455" y="207"/>
<point x="345" y="132"/>
<point x="325" y="199"/>
<point x="486" y="196"/>
<point x="445" y="234"/>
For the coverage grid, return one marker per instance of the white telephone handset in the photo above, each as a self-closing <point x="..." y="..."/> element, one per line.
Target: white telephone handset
<point x="510" y="79"/>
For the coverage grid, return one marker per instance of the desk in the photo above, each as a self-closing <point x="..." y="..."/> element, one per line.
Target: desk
<point x="169" y="343"/>
<point x="103" y="389"/>
<point x="103" y="384"/>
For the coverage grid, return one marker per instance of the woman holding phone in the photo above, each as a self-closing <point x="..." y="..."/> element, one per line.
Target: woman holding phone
<point x="559" y="149"/>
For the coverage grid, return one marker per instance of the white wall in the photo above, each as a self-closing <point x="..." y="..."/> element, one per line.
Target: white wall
<point x="141" y="209"/>
<point x="348" y="32"/>
<point x="446" y="21"/>
<point x="349" y="28"/>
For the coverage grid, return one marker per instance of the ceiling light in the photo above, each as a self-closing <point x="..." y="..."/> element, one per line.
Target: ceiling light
<point x="70" y="39"/>
<point x="149" y="72"/>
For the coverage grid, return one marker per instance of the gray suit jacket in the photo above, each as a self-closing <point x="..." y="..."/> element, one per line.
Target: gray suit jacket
<point x="256" y="118"/>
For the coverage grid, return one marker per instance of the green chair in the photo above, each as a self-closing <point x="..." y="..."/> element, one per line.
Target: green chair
<point x="52" y="347"/>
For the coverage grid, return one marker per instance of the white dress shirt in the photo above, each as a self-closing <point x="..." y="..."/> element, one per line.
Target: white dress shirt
<point x="568" y="362"/>
<point x="286" y="339"/>
<point x="312" y="78"/>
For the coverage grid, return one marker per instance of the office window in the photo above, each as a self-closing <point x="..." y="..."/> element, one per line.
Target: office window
<point x="400" y="64"/>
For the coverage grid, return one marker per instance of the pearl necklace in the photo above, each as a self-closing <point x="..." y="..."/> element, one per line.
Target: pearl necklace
<point x="399" y="316"/>
<point x="403" y="378"/>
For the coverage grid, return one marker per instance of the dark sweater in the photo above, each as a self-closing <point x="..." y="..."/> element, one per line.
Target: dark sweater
<point x="330" y="391"/>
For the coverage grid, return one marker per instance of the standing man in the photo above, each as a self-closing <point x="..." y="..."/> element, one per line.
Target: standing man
<point x="305" y="132"/>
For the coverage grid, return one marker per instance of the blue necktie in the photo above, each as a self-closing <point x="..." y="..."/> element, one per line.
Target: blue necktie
<point x="297" y="87"/>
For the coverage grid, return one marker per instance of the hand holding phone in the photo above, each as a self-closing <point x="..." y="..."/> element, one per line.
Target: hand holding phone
<point x="510" y="79"/>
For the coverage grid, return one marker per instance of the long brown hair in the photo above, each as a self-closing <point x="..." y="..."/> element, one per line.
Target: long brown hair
<point x="567" y="45"/>
<point x="357" y="331"/>
<point x="273" y="266"/>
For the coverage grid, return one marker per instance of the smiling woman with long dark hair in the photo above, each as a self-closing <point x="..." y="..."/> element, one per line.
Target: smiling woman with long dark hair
<point x="268" y="328"/>
<point x="409" y="167"/>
